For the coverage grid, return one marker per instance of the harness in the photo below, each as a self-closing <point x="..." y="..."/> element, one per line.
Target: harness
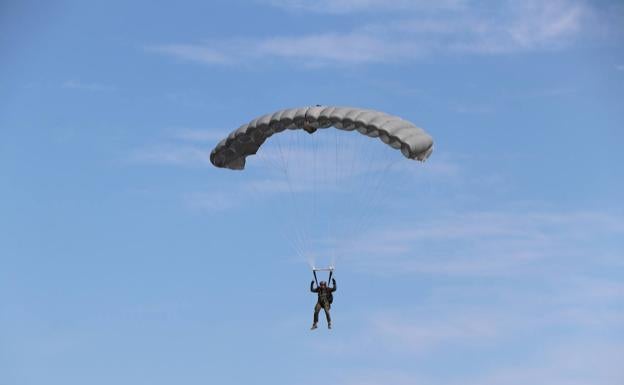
<point x="325" y="294"/>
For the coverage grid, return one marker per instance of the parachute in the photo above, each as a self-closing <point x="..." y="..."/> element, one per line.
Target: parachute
<point x="232" y="151"/>
<point x="336" y="181"/>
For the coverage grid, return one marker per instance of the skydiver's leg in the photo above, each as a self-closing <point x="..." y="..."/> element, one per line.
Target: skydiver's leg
<point x="317" y="309"/>
<point x="326" y="307"/>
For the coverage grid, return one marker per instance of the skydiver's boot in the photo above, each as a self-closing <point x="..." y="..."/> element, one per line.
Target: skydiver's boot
<point x="313" y="326"/>
<point x="329" y="325"/>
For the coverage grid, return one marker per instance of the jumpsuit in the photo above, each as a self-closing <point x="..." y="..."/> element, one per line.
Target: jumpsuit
<point x="324" y="300"/>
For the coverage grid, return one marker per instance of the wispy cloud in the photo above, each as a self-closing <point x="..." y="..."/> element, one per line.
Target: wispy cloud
<point x="192" y="52"/>
<point x="171" y="155"/>
<point x="576" y="362"/>
<point x="350" y="6"/>
<point x="422" y="333"/>
<point x="489" y="318"/>
<point x="180" y="147"/>
<point x="474" y="109"/>
<point x="556" y="332"/>
<point x="487" y="243"/>
<point x="449" y="28"/>
<point x="485" y="320"/>
<point x="198" y="136"/>
<point x="211" y="201"/>
<point x="78" y="85"/>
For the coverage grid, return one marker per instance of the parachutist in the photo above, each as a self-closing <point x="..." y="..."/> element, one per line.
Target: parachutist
<point x="325" y="299"/>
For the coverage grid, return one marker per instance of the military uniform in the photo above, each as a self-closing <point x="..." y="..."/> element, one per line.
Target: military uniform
<point x="324" y="301"/>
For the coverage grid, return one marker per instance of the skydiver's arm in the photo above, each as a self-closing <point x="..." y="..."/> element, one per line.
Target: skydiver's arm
<point x="312" y="289"/>
<point x="334" y="283"/>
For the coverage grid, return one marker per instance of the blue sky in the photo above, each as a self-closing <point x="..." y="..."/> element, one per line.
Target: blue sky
<point x="126" y="258"/>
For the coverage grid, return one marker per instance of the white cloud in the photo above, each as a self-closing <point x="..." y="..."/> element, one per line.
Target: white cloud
<point x="550" y="340"/>
<point x="550" y="23"/>
<point x="510" y="27"/>
<point x="553" y="341"/>
<point x="191" y="52"/>
<point x="200" y="136"/>
<point x="195" y="152"/>
<point x="424" y="333"/>
<point x="350" y="48"/>
<point x="349" y="6"/>
<point x="171" y="155"/>
<point x="482" y="317"/>
<point x="574" y="362"/>
<point x="75" y="84"/>
<point x="383" y="377"/>
<point x="577" y="362"/>
<point x="487" y="243"/>
<point x="474" y="109"/>
<point x="557" y="322"/>
<point x="276" y="186"/>
<point x="211" y="201"/>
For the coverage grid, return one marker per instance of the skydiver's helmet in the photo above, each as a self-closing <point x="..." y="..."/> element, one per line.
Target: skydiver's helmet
<point x="323" y="284"/>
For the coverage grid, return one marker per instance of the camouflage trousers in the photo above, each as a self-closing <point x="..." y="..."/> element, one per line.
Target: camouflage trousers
<point x="322" y="305"/>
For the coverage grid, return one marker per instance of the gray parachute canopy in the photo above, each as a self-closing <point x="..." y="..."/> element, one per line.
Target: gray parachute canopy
<point x="232" y="151"/>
